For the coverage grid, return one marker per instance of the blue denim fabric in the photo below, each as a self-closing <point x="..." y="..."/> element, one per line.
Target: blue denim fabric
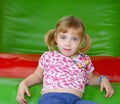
<point x="62" y="98"/>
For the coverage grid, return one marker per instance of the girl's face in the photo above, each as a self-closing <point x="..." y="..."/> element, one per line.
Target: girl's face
<point x="68" y="43"/>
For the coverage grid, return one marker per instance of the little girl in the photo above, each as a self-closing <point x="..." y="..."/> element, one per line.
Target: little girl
<point x="66" y="70"/>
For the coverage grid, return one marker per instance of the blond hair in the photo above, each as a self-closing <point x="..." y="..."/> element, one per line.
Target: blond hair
<point x="63" y="25"/>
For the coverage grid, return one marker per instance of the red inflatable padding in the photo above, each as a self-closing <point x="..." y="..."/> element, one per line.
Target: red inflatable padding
<point x="21" y="65"/>
<point x="109" y="66"/>
<point x="17" y="65"/>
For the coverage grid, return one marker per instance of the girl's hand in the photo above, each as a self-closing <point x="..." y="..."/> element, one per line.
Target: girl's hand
<point x="23" y="88"/>
<point x="106" y="84"/>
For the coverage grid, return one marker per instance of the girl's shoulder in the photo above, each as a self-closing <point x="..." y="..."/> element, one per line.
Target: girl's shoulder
<point x="49" y="54"/>
<point x="82" y="55"/>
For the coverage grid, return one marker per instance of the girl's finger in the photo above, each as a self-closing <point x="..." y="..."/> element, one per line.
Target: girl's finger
<point x="28" y="93"/>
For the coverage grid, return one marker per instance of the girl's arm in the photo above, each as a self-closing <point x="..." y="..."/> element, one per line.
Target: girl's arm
<point x="35" y="77"/>
<point x="93" y="79"/>
<point x="32" y="79"/>
<point x="104" y="84"/>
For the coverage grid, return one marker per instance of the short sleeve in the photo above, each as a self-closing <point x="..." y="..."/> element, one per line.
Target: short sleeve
<point x="89" y="65"/>
<point x="43" y="60"/>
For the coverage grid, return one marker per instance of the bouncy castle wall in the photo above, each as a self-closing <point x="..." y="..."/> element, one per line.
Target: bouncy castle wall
<point x="23" y="24"/>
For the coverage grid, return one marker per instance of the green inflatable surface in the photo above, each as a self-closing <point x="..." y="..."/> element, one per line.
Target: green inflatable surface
<point x="8" y="90"/>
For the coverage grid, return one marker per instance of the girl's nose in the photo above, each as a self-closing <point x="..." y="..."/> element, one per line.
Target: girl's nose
<point x="67" y="42"/>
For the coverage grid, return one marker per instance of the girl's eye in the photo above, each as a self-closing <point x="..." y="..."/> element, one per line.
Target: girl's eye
<point x="62" y="37"/>
<point x="75" y="39"/>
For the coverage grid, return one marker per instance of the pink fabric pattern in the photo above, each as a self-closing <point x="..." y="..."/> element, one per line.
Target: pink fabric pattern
<point x="62" y="72"/>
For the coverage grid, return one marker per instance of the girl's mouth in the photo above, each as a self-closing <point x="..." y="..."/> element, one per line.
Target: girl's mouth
<point x="68" y="50"/>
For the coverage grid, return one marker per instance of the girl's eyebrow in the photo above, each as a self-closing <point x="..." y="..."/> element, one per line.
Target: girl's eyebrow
<point x="61" y="34"/>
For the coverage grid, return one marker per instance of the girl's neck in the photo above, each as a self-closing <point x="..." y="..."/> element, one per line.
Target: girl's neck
<point x="72" y="56"/>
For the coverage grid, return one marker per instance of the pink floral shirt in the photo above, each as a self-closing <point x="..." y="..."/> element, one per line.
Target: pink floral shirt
<point x="62" y="72"/>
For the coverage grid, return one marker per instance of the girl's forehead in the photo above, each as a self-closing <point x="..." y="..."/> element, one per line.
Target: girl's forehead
<point x="70" y="31"/>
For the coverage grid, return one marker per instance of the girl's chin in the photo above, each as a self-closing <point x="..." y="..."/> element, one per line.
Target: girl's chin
<point x="67" y="54"/>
